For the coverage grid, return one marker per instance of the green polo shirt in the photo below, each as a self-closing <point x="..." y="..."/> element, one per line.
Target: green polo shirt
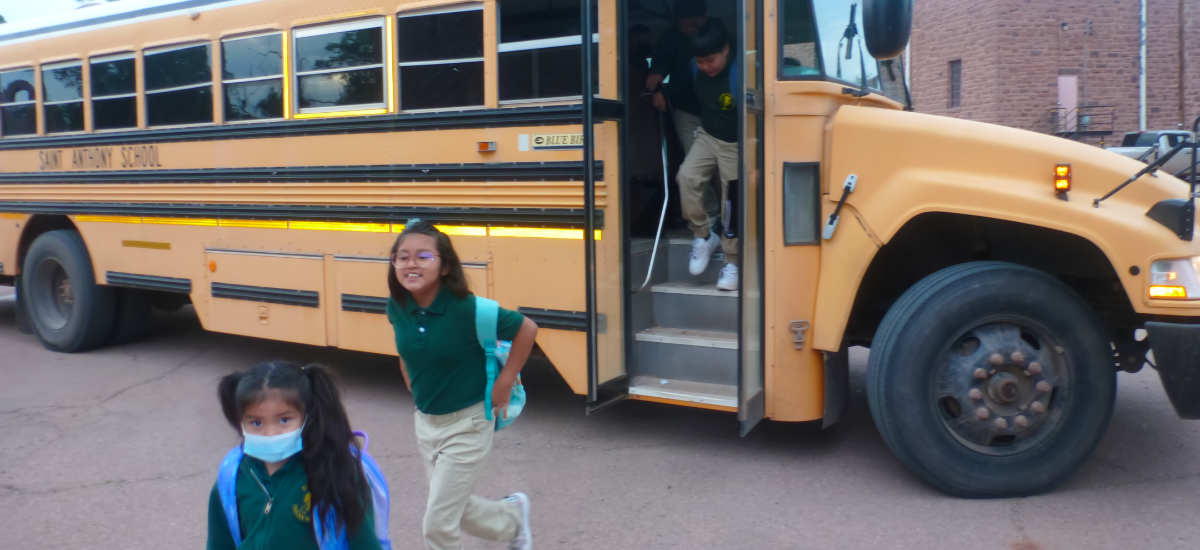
<point x="718" y="111"/>
<point x="443" y="357"/>
<point x="288" y="524"/>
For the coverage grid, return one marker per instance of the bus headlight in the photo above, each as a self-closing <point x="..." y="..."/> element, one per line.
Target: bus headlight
<point x="1175" y="279"/>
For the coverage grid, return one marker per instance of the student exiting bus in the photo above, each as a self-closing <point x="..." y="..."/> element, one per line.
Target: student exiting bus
<point x="715" y="149"/>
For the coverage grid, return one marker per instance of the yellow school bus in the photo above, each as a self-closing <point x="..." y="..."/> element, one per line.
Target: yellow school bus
<point x="256" y="158"/>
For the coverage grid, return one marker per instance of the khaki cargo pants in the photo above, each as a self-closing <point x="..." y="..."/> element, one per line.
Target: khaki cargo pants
<point x="453" y="449"/>
<point x="708" y="154"/>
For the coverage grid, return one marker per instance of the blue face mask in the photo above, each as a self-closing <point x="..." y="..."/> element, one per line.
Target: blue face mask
<point x="273" y="448"/>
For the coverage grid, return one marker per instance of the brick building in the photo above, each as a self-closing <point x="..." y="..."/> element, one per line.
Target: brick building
<point x="1057" y="66"/>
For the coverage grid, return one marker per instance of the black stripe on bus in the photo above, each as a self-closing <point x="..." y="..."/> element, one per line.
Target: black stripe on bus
<point x="286" y="296"/>
<point x="364" y="304"/>
<point x="478" y="118"/>
<point x="566" y="218"/>
<point x="149" y="282"/>
<point x="492" y="171"/>
<point x="556" y="318"/>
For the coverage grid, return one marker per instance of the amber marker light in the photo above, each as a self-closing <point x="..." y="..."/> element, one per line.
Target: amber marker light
<point x="1062" y="178"/>
<point x="487" y="146"/>
<point x="1166" y="291"/>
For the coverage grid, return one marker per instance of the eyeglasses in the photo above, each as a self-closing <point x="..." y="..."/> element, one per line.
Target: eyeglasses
<point x="422" y="258"/>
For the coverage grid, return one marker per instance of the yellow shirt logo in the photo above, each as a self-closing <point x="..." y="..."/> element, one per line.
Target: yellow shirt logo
<point x="725" y="101"/>
<point x="303" y="512"/>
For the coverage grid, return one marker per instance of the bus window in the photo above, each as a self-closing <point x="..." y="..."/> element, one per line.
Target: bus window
<point x="340" y="67"/>
<point x="62" y="97"/>
<point x="845" y="59"/>
<point x="178" y="85"/>
<point x="252" y="77"/>
<point x="539" y="49"/>
<point x="799" y="43"/>
<point x="114" y="98"/>
<point x="441" y="58"/>
<point x="18" y="106"/>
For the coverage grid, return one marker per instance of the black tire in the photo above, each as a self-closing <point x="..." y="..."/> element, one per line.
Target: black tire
<point x="133" y="317"/>
<point x="68" y="310"/>
<point x="943" y="356"/>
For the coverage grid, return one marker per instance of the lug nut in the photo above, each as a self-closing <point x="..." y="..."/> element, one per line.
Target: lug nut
<point x="996" y="359"/>
<point x="1035" y="368"/>
<point x="1000" y="424"/>
<point x="1038" y="407"/>
<point x="975" y="394"/>
<point x="982" y="413"/>
<point x="1043" y="386"/>
<point x="1021" y="421"/>
<point x="980" y="374"/>
<point x="1017" y="357"/>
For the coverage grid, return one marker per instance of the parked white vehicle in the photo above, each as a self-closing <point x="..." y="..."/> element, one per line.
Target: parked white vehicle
<point x="1150" y="145"/>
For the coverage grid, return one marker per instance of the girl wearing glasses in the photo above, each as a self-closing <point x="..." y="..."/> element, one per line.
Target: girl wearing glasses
<point x="433" y="315"/>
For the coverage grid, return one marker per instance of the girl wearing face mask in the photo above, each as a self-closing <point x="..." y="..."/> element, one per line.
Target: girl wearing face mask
<point x="296" y="459"/>
<point x="433" y="315"/>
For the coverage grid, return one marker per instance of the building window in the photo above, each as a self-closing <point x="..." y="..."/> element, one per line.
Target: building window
<point x="539" y="49"/>
<point x="440" y="58"/>
<point x="340" y="67"/>
<point x="178" y="85"/>
<point x="114" y="98"/>
<point x="18" y="104"/>
<point x="252" y="77"/>
<point x="62" y="97"/>
<point x="955" y="83"/>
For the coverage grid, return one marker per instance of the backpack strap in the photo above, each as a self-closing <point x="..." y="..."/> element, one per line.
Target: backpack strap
<point x="380" y="497"/>
<point x="486" y="314"/>
<point x="227" y="491"/>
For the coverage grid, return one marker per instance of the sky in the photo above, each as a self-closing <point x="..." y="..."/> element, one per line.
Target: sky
<point x="25" y="10"/>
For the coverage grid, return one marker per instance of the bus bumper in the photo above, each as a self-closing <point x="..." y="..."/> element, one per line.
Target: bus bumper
<point x="1177" y="356"/>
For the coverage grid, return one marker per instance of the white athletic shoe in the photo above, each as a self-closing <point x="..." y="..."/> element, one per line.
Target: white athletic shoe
<point x="524" y="538"/>
<point x="702" y="250"/>
<point x="729" y="278"/>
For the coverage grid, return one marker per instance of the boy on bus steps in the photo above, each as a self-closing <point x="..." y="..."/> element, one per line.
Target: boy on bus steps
<point x="715" y="148"/>
<point x="432" y="312"/>
<point x="297" y="467"/>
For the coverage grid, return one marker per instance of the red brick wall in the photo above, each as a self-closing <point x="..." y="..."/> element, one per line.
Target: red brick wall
<point x="1014" y="50"/>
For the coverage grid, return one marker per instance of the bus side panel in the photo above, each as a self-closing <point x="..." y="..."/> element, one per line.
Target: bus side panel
<point x="11" y="226"/>
<point x="268" y="296"/>
<point x="795" y="390"/>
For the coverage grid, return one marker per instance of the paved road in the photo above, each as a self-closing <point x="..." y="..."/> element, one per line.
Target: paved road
<point x="118" y="448"/>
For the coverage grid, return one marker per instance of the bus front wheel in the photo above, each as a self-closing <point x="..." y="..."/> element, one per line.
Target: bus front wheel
<point x="68" y="310"/>
<point x="990" y="379"/>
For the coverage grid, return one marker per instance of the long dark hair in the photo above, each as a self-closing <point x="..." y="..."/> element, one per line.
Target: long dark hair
<point x="335" y="476"/>
<point x="453" y="279"/>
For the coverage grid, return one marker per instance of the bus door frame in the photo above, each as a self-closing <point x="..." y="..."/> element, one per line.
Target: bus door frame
<point x="751" y="194"/>
<point x="601" y="393"/>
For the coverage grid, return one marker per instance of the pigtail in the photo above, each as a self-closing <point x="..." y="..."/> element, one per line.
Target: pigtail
<point x="227" y="394"/>
<point x="335" y="476"/>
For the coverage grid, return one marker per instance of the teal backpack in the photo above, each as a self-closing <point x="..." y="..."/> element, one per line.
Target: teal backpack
<point x="496" y="351"/>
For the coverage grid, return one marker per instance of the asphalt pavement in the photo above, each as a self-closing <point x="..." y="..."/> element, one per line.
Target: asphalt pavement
<point x="119" y="447"/>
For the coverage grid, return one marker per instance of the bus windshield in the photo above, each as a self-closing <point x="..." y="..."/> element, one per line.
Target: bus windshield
<point x="823" y="39"/>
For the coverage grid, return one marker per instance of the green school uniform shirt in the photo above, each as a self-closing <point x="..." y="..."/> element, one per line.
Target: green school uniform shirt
<point x="718" y="111"/>
<point x="441" y="353"/>
<point x="288" y="525"/>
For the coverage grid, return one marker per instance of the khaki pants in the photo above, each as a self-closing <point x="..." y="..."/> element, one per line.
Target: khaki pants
<point x="686" y="125"/>
<point x="707" y="154"/>
<point x="453" y="449"/>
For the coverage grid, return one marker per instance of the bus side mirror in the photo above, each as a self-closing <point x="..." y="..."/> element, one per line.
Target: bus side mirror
<point x="886" y="26"/>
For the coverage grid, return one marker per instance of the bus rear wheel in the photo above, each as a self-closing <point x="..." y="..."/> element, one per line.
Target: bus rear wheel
<point x="991" y="379"/>
<point x="68" y="310"/>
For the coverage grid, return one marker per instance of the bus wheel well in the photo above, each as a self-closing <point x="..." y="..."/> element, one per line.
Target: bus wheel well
<point x="930" y="242"/>
<point x="37" y="225"/>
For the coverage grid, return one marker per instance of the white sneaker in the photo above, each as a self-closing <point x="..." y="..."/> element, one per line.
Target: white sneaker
<point x="729" y="278"/>
<point x="524" y="538"/>
<point x="702" y="250"/>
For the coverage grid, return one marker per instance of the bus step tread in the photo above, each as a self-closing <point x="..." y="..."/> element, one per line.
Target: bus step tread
<point x="685" y="390"/>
